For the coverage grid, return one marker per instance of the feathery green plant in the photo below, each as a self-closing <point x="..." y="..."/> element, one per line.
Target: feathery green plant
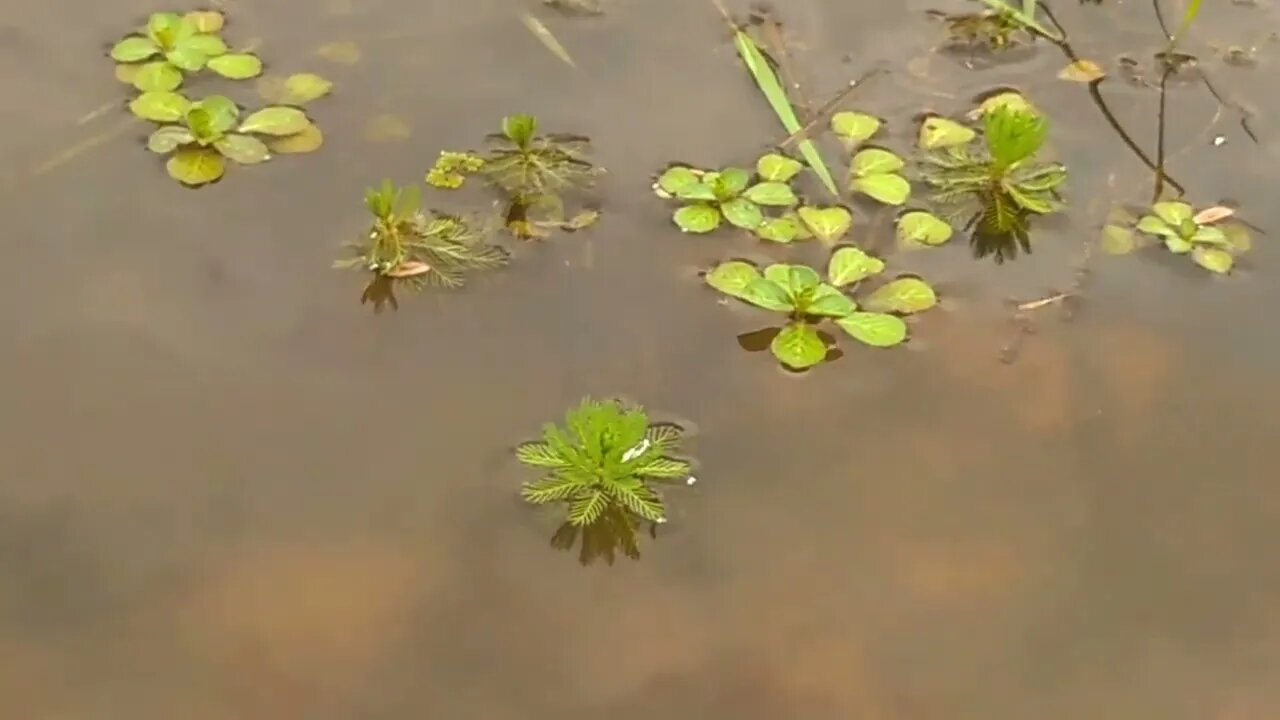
<point x="530" y="166"/>
<point x="605" y="460"/>
<point x="404" y="243"/>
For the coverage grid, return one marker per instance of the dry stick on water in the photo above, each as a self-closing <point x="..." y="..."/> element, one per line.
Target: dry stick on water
<point x="767" y="80"/>
<point x="544" y="36"/>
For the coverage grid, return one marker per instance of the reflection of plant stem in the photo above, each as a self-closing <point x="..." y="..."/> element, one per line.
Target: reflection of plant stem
<point x="1065" y="46"/>
<point x="1160" y="134"/>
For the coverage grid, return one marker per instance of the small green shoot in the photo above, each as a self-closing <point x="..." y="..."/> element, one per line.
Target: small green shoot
<point x="405" y="244"/>
<point x="602" y="466"/>
<point x="799" y="293"/>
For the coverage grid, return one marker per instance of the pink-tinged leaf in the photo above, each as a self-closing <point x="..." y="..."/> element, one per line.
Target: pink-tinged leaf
<point x="1208" y="216"/>
<point x="409" y="269"/>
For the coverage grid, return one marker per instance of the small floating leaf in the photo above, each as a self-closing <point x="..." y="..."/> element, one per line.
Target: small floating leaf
<point x="1213" y="259"/>
<point x="798" y="346"/>
<point x="697" y="218"/>
<point x="157" y="76"/>
<point x="777" y="168"/>
<point x="236" y="66"/>
<point x="134" y="49"/>
<point x="1082" y="71"/>
<point x="1211" y="215"/>
<point x="874" y="329"/>
<point x="126" y="73"/>
<point x="195" y="166"/>
<point x="205" y="21"/>
<point x="887" y="188"/>
<point x="765" y="293"/>
<point x="1118" y="240"/>
<point x="1178" y="245"/>
<point x="779" y="230"/>
<point x="875" y="161"/>
<point x="854" y="127"/>
<point x="939" y="132"/>
<point x="848" y="265"/>
<point x="167" y="139"/>
<point x="904" y="295"/>
<point x="1238" y="236"/>
<point x="827" y="224"/>
<point x="208" y="45"/>
<point x="186" y="57"/>
<point x="302" y="88"/>
<point x="243" y="149"/>
<point x="1210" y="235"/>
<point x="166" y="28"/>
<point x="730" y="182"/>
<point x="742" y="213"/>
<point x="733" y="277"/>
<point x="343" y="53"/>
<point x="1153" y="225"/>
<point x="1173" y="213"/>
<point x="774" y="194"/>
<point x="1012" y="100"/>
<point x="160" y="106"/>
<point x="827" y="301"/>
<point x="278" y="121"/>
<point x="677" y="180"/>
<point x="922" y="227"/>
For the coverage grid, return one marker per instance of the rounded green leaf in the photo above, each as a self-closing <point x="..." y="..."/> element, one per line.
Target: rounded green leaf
<point x="939" y="132"/>
<point x="223" y="112"/>
<point x="304" y="87"/>
<point x="1213" y="259"/>
<point x="134" y="49"/>
<point x="697" y="218"/>
<point x="1011" y="100"/>
<point x="243" y="149"/>
<point x="205" y="21"/>
<point x="773" y="194"/>
<point x="1177" y="244"/>
<point x="777" y="168"/>
<point x="874" y="329"/>
<point x="875" y="161"/>
<point x="827" y="224"/>
<point x="733" y="278"/>
<point x="679" y="179"/>
<point x="798" y="346"/>
<point x="795" y="279"/>
<point x="924" y="228"/>
<point x="160" y="106"/>
<point x="1173" y="213"/>
<point x="698" y="191"/>
<point x="1238" y="237"/>
<point x="167" y="139"/>
<point x="1153" y="225"/>
<point x="157" y="76"/>
<point x="208" y="45"/>
<point x="765" y="293"/>
<point x="236" y="66"/>
<point x="730" y="183"/>
<point x="165" y="28"/>
<point x="1118" y="240"/>
<point x="743" y="213"/>
<point x="779" y="230"/>
<point x="854" y="127"/>
<point x="849" y="265"/>
<point x="195" y="166"/>
<point x="889" y="188"/>
<point x="276" y="121"/>
<point x="829" y="302"/>
<point x="187" y="58"/>
<point x="1210" y="235"/>
<point x="904" y="295"/>
<point x="308" y="140"/>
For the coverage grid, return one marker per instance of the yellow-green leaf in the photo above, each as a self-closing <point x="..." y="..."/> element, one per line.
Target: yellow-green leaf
<point x="849" y="265"/>
<point x="195" y="166"/>
<point x="888" y="188"/>
<point x="133" y="49"/>
<point x="277" y="121"/>
<point x="924" y="228"/>
<point x="160" y="106"/>
<point x="854" y="127"/>
<point x="798" y="346"/>
<point x="904" y="295"/>
<point x="733" y="277"/>
<point x="158" y="75"/>
<point x="1213" y="259"/>
<point x="304" y="87"/>
<point x="243" y="149"/>
<point x="1082" y="71"/>
<point x="205" y="21"/>
<point x="827" y="224"/>
<point x="939" y="132"/>
<point x="167" y="139"/>
<point x="874" y="329"/>
<point x="236" y="66"/>
<point x="309" y="140"/>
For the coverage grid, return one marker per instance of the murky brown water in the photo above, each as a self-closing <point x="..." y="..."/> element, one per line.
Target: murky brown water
<point x="229" y="491"/>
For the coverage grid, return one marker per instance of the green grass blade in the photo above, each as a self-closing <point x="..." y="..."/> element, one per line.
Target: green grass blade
<point x="767" y="80"/>
<point x="1188" y="17"/>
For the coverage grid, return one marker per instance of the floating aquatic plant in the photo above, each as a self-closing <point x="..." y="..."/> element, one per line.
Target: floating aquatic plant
<point x="170" y="45"/>
<point x="876" y="172"/>
<point x="452" y="168"/>
<point x="602" y="467"/>
<point x="1001" y="169"/>
<point x="1211" y="243"/>
<point x="987" y="30"/>
<point x="526" y="164"/>
<point x="405" y="244"/>
<point x="198" y="135"/>
<point x="799" y="293"/>
<point x="735" y="195"/>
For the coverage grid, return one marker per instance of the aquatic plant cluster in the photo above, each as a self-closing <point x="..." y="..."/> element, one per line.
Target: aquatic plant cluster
<point x="200" y="135"/>
<point x="606" y="466"/>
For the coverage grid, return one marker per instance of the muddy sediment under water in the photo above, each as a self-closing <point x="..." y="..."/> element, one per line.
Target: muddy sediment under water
<point x="229" y="490"/>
